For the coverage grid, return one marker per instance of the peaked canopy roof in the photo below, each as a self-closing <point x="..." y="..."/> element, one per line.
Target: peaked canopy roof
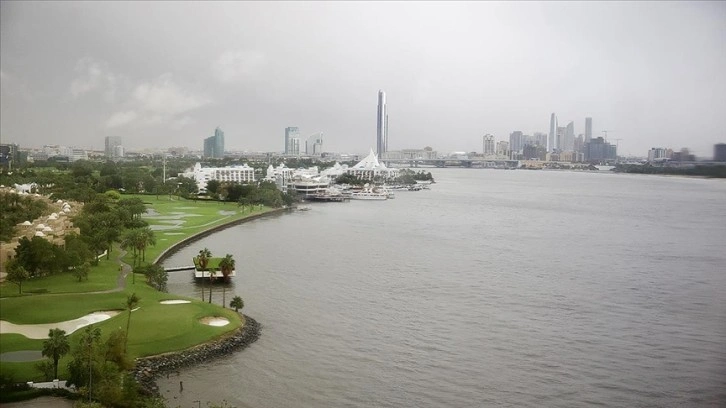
<point x="370" y="163"/>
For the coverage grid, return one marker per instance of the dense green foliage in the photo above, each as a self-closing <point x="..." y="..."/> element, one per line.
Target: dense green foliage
<point x="349" y="179"/>
<point x="407" y="176"/>
<point x="15" y="209"/>
<point x="237" y="303"/>
<point x="265" y="193"/>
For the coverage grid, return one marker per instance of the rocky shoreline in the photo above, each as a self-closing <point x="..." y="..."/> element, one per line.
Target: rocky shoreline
<point x="149" y="368"/>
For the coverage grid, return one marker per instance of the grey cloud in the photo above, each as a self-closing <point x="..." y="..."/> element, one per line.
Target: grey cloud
<point x="651" y="71"/>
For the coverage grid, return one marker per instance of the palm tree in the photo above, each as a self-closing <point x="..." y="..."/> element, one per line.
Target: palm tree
<point x="130" y="239"/>
<point x="203" y="259"/>
<point x="237" y="303"/>
<point x="131" y="301"/>
<point x="226" y="265"/>
<point x="56" y="347"/>
<point x="146" y="238"/>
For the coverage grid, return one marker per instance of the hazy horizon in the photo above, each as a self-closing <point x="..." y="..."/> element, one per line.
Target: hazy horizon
<point x="167" y="73"/>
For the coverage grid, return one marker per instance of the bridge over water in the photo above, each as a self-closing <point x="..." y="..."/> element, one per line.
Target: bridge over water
<point x="453" y="162"/>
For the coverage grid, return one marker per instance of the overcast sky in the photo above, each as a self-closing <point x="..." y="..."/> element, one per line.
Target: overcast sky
<point x="166" y="74"/>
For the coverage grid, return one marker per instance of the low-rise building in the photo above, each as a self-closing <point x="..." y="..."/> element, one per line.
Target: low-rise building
<point x="231" y="174"/>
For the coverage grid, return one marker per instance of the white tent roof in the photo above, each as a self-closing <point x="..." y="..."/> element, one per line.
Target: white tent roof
<point x="370" y="162"/>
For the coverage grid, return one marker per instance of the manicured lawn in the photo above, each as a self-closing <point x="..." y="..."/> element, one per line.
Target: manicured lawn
<point x="101" y="277"/>
<point x="155" y="328"/>
<point x="175" y="219"/>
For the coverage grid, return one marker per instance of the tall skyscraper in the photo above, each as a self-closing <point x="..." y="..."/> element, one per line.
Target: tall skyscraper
<point x="292" y="139"/>
<point x="112" y="144"/>
<point x="382" y="125"/>
<point x="588" y="129"/>
<point x="552" y="142"/>
<point x="314" y="144"/>
<point x="488" y="148"/>
<point x="515" y="141"/>
<point x="569" y="143"/>
<point x="560" y="138"/>
<point x="214" y="145"/>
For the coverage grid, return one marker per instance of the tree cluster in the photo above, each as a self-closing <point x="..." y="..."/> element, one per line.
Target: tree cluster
<point x="264" y="193"/>
<point x="408" y="176"/>
<point x="15" y="209"/>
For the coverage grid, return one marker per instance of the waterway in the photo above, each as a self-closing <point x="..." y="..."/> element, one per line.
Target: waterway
<point x="494" y="288"/>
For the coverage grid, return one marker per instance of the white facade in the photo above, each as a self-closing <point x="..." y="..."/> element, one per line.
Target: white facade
<point x="78" y="154"/>
<point x="232" y="174"/>
<point x="657" y="154"/>
<point x="503" y="148"/>
<point x="488" y="148"/>
<point x="370" y="167"/>
<point x="303" y="181"/>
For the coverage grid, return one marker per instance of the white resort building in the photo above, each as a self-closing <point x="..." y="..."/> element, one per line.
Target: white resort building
<point x="370" y="168"/>
<point x="231" y="174"/>
<point x="305" y="182"/>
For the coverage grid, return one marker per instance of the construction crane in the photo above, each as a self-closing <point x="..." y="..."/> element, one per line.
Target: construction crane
<point x="606" y="133"/>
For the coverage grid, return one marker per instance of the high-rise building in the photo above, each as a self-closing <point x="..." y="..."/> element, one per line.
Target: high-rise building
<point x="314" y="144"/>
<point x="552" y="142"/>
<point x="503" y="148"/>
<point x="112" y="144"/>
<point x="214" y="145"/>
<point x="540" y="138"/>
<point x="588" y="129"/>
<point x="382" y="124"/>
<point x="579" y="144"/>
<point x="516" y="141"/>
<point x="488" y="147"/>
<point x="560" y="138"/>
<point x="719" y="152"/>
<point x="600" y="150"/>
<point x="8" y="155"/>
<point x="292" y="139"/>
<point x="569" y="142"/>
<point x="657" y="154"/>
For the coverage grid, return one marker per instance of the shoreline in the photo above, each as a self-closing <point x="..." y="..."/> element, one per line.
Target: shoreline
<point x="147" y="369"/>
<point x="202" y="234"/>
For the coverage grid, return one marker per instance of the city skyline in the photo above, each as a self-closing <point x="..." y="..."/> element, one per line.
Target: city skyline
<point x="158" y="87"/>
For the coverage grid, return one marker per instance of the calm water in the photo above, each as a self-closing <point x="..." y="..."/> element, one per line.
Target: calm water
<point x="494" y="288"/>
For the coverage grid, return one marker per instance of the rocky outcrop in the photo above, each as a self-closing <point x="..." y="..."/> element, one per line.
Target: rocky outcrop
<point x="148" y="368"/>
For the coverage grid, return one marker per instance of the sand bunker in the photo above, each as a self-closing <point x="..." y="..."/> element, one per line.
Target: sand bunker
<point x="174" y="302"/>
<point x="214" y="321"/>
<point x="40" y="331"/>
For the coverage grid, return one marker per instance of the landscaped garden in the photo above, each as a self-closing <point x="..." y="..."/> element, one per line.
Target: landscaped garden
<point x="154" y="328"/>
